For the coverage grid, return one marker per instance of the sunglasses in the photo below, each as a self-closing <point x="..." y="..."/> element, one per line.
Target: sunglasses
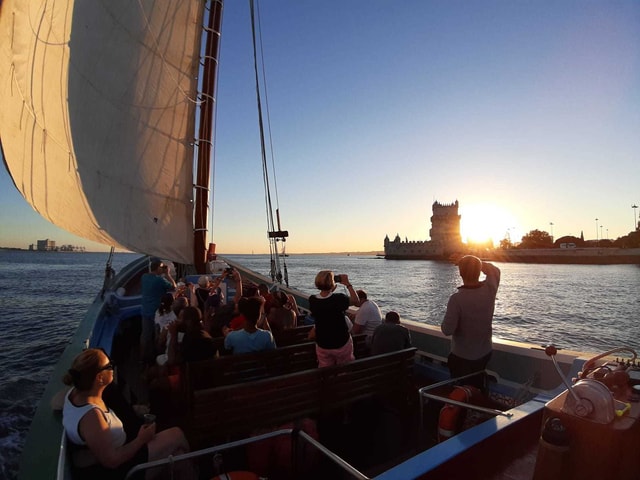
<point x="108" y="366"/>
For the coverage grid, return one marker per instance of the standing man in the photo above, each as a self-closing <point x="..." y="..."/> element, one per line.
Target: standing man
<point x="468" y="318"/>
<point x="154" y="285"/>
<point x="367" y="318"/>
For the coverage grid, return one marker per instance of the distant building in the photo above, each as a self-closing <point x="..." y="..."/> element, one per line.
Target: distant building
<point x="444" y="233"/>
<point x="46" y="245"/>
<point x="71" y="248"/>
<point x="50" y="246"/>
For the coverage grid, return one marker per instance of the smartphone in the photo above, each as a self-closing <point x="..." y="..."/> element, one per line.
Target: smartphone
<point x="338" y="278"/>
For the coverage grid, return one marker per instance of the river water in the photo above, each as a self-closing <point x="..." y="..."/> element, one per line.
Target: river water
<point x="43" y="297"/>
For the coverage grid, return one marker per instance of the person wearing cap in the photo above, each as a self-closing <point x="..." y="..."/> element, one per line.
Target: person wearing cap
<point x="154" y="285"/>
<point x="468" y="319"/>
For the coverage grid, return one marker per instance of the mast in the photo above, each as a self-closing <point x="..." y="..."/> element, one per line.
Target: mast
<point x="211" y="40"/>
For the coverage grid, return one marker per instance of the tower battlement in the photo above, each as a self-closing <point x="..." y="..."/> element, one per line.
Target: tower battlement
<point x="444" y="234"/>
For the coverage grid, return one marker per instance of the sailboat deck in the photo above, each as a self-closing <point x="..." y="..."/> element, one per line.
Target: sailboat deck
<point x="374" y="437"/>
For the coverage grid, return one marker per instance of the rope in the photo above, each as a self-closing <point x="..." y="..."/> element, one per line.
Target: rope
<point x="276" y="273"/>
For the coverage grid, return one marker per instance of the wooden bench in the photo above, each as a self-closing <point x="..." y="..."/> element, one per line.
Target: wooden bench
<point x="292" y="336"/>
<point x="220" y="414"/>
<point x="232" y="369"/>
<point x="360" y="348"/>
<point x="298" y="335"/>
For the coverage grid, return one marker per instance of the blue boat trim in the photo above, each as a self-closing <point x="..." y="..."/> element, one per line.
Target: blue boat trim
<point x="443" y="452"/>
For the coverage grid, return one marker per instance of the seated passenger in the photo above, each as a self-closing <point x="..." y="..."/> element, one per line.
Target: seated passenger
<point x="390" y="336"/>
<point x="186" y="291"/>
<point x="164" y="316"/>
<point x="237" y="320"/>
<point x="178" y="304"/>
<point x="281" y="316"/>
<point x="214" y="302"/>
<point x="196" y="344"/>
<point x="367" y="318"/>
<point x="294" y="308"/>
<point x="202" y="291"/>
<point x="250" y="338"/>
<point x="90" y="423"/>
<point x="263" y="291"/>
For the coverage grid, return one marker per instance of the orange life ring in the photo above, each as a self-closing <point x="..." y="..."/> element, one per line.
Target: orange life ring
<point x="452" y="417"/>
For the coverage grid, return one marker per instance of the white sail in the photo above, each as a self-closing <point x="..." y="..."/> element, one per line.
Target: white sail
<point x="97" y="116"/>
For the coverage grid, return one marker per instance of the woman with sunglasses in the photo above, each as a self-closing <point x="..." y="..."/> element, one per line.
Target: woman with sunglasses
<point x="99" y="445"/>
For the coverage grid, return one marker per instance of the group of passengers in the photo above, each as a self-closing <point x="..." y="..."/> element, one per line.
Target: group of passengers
<point x="172" y="323"/>
<point x="189" y="317"/>
<point x="468" y="320"/>
<point x="334" y="322"/>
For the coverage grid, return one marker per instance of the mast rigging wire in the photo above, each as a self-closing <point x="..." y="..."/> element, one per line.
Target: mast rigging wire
<point x="274" y="236"/>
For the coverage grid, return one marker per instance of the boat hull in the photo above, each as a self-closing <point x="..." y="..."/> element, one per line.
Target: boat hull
<point x="518" y="365"/>
<point x="40" y="454"/>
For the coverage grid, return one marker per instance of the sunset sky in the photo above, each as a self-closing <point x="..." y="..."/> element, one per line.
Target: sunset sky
<point x="527" y="113"/>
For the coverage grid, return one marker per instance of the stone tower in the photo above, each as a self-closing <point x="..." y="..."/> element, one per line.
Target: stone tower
<point x="445" y="227"/>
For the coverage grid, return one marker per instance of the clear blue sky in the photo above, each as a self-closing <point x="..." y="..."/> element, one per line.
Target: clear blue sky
<point x="526" y="112"/>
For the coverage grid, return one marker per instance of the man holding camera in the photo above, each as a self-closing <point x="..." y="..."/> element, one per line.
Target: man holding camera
<point x="154" y="285"/>
<point x="468" y="319"/>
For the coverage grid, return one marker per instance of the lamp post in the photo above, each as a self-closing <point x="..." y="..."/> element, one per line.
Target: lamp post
<point x="635" y="223"/>
<point x="596" y="232"/>
<point x="601" y="237"/>
<point x="551" y="225"/>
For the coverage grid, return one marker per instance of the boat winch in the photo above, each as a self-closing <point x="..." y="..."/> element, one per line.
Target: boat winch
<point x="599" y="411"/>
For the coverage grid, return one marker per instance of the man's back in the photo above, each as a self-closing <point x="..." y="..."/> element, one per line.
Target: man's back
<point x="242" y="341"/>
<point x="369" y="318"/>
<point x="390" y="337"/>
<point x="153" y="287"/>
<point x="469" y="316"/>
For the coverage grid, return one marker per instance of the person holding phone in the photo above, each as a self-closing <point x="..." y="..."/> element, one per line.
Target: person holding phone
<point x="468" y="319"/>
<point x="329" y="308"/>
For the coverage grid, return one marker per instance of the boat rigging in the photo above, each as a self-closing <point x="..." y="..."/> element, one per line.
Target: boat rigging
<point x="278" y="272"/>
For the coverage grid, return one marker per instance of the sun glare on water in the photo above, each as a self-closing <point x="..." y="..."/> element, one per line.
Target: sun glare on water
<point x="481" y="223"/>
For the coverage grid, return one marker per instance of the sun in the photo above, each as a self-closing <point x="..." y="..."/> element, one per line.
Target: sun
<point x="483" y="222"/>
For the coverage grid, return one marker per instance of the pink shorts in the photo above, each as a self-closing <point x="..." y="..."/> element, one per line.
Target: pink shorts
<point x="335" y="356"/>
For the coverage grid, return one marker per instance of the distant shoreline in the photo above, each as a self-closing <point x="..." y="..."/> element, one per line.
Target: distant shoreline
<point x="585" y="256"/>
<point x="17" y="249"/>
<point x="373" y="253"/>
